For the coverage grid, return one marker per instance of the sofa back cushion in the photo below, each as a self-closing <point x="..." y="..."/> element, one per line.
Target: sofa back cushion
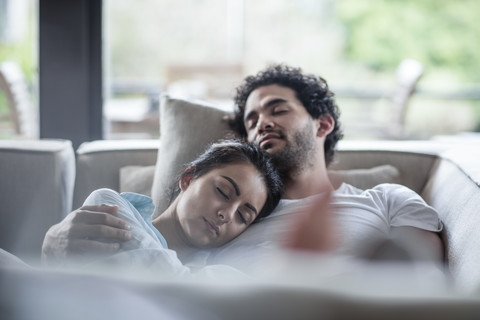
<point x="99" y="163"/>
<point x="413" y="167"/>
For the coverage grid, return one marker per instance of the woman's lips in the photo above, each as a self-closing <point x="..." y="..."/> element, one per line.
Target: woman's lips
<point x="212" y="227"/>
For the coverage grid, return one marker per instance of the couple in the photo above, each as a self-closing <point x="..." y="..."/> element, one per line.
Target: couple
<point x="294" y="118"/>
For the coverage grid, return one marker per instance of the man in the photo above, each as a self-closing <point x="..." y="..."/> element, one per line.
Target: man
<point x="293" y="116"/>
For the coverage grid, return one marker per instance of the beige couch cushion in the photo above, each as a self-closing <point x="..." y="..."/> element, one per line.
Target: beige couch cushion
<point x="413" y="159"/>
<point x="365" y="178"/>
<point x="186" y="128"/>
<point x="99" y="162"/>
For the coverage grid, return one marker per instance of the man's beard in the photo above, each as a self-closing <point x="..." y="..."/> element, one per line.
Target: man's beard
<point x="297" y="155"/>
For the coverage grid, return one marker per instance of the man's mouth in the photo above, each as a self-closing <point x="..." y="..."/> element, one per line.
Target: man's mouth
<point x="212" y="227"/>
<point x="266" y="140"/>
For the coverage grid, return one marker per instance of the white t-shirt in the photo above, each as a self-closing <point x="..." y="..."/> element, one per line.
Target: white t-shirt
<point x="359" y="216"/>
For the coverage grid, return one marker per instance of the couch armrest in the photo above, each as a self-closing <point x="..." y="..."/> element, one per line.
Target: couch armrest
<point x="454" y="190"/>
<point x="36" y="191"/>
<point x="99" y="163"/>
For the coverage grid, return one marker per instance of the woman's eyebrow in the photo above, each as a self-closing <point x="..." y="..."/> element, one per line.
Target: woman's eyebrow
<point x="234" y="184"/>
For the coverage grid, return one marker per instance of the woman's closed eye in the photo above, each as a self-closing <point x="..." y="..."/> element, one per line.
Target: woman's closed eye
<point x="242" y="217"/>
<point x="223" y="193"/>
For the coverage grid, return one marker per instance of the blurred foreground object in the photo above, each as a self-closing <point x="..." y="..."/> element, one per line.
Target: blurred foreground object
<point x="409" y="73"/>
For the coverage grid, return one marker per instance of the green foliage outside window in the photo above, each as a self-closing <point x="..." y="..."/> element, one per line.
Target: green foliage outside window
<point x="442" y="34"/>
<point x="22" y="50"/>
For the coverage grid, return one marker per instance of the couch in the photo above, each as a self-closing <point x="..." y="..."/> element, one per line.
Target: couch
<point x="444" y="171"/>
<point x="36" y="191"/>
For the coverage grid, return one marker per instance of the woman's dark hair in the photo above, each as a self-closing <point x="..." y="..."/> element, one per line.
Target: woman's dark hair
<point x="310" y="90"/>
<point x="236" y="151"/>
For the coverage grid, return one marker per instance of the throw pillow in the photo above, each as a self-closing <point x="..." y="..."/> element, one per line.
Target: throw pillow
<point x="186" y="128"/>
<point x="365" y="178"/>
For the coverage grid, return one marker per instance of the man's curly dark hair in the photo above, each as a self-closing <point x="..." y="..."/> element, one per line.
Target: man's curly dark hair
<point x="310" y="90"/>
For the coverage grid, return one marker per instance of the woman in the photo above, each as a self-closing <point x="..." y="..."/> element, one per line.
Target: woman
<point x="230" y="186"/>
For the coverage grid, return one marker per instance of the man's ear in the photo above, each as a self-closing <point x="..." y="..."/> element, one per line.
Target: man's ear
<point x="325" y="125"/>
<point x="186" y="178"/>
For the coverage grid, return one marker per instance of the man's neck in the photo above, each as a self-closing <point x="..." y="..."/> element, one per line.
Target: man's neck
<point x="308" y="182"/>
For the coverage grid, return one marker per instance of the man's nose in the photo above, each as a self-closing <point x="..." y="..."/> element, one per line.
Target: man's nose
<point x="264" y="123"/>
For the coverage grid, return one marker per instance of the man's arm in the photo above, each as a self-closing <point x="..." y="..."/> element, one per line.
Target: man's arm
<point x="313" y="232"/>
<point x="79" y="233"/>
<point x="421" y="244"/>
<point x="413" y="218"/>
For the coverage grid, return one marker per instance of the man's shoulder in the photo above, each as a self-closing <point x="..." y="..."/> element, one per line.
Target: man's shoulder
<point x="287" y="206"/>
<point x="346" y="188"/>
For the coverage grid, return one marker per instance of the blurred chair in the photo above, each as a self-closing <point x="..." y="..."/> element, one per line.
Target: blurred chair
<point x="132" y="111"/>
<point x="212" y="82"/>
<point x="408" y="74"/>
<point x="22" y="112"/>
<point x="383" y="112"/>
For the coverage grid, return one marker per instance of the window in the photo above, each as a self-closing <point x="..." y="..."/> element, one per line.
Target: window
<point x="202" y="48"/>
<point x="18" y="69"/>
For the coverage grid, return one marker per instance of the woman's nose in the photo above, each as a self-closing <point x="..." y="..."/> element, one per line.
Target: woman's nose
<point x="226" y="214"/>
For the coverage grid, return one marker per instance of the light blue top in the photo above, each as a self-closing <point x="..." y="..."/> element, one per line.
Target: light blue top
<point x="144" y="206"/>
<point x="135" y="209"/>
